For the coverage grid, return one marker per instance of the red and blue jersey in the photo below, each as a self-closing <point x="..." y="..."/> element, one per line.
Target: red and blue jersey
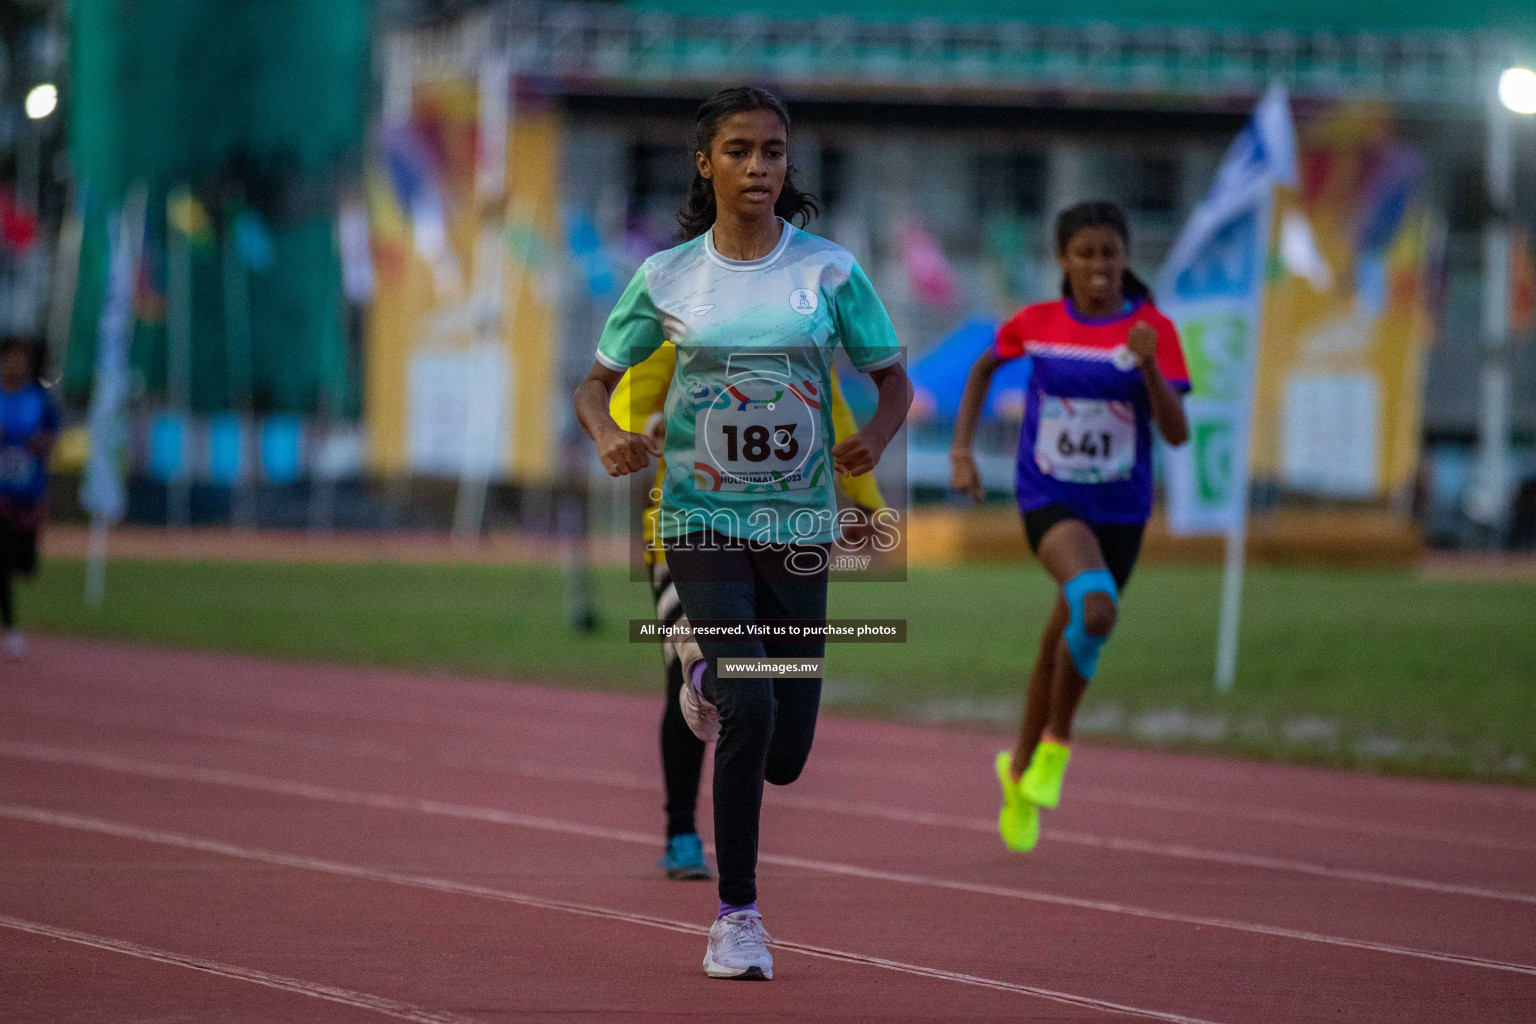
<point x="1087" y="436"/>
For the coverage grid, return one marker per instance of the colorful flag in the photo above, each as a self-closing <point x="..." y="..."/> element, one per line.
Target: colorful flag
<point x="1212" y="287"/>
<point x="189" y="217"/>
<point x="591" y="256"/>
<point x="416" y="182"/>
<point x="18" y="228"/>
<point x="253" y="243"/>
<point x="928" y="271"/>
<point x="1522" y="284"/>
<point x="352" y="238"/>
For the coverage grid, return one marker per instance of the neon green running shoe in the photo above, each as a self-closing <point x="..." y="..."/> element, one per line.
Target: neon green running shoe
<point x="1019" y="820"/>
<point x="1047" y="770"/>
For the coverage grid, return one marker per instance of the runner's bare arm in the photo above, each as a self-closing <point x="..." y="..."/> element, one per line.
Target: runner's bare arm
<point x="860" y="452"/>
<point x="621" y="451"/>
<point x="962" y="464"/>
<point x="1167" y="404"/>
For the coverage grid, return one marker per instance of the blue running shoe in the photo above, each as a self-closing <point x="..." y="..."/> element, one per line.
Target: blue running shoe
<point x="684" y="859"/>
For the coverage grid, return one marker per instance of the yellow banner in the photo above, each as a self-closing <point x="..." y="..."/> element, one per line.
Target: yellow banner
<point x="1338" y="396"/>
<point x="444" y="387"/>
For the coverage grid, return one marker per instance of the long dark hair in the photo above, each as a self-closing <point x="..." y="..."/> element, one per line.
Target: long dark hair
<point x="697" y="214"/>
<point x="1099" y="213"/>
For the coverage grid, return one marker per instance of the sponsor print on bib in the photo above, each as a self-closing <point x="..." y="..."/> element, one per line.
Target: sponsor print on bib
<point x="759" y="434"/>
<point x="1085" y="440"/>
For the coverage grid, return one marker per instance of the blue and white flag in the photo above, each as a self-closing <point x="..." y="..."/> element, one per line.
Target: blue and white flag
<point x="102" y="492"/>
<point x="1212" y="287"/>
<point x="418" y="187"/>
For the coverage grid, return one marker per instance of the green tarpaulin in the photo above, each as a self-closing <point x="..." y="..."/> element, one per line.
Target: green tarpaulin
<point x="256" y="103"/>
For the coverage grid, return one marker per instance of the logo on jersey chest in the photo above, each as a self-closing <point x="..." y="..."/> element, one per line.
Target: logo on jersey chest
<point x="1124" y="359"/>
<point x="804" y="301"/>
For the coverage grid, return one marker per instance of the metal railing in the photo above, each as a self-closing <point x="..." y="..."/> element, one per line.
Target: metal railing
<point x="587" y="47"/>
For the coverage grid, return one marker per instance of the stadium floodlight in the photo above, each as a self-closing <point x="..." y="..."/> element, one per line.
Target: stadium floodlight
<point x="42" y="101"/>
<point x="1517" y="90"/>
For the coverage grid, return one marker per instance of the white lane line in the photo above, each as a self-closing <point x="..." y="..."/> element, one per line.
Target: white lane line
<point x="382" y="801"/>
<point x="314" y="990"/>
<point x="1281" y="864"/>
<point x="42" y="816"/>
<point x="903" y="815"/>
<point x="218" y="728"/>
<point x="1006" y="892"/>
<point x="909" y="816"/>
<point x="449" y="759"/>
<point x="1157" y="803"/>
<point x="500" y="697"/>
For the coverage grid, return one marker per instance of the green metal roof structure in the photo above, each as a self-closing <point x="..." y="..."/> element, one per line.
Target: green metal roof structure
<point x="1291" y="15"/>
<point x="1179" y="53"/>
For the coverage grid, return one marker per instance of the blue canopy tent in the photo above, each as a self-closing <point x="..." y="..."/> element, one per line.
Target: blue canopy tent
<point x="938" y="378"/>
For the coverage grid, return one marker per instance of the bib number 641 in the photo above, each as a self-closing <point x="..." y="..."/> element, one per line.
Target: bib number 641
<point x="1090" y="445"/>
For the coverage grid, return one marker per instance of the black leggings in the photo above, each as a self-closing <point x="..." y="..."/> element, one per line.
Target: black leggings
<point x="18" y="557"/>
<point x="766" y="724"/>
<point x="682" y="753"/>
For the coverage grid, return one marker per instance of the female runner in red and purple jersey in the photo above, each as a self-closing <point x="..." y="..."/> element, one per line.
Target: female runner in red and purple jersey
<point x="1107" y="366"/>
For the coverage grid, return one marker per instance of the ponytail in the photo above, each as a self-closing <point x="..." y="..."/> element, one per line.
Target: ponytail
<point x="697" y="214"/>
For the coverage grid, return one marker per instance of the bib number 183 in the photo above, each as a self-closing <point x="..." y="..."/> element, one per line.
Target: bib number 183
<point x="756" y="444"/>
<point x="768" y="444"/>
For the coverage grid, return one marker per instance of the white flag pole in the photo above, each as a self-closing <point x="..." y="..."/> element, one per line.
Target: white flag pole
<point x="1231" y="603"/>
<point x="1213" y="287"/>
<point x="102" y="490"/>
<point x="490" y="293"/>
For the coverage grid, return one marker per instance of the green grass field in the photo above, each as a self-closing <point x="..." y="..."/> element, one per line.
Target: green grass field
<point x="1372" y="669"/>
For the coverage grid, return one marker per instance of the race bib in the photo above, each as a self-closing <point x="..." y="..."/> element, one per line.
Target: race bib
<point x="1085" y="440"/>
<point x="759" y="435"/>
<point x="15" y="466"/>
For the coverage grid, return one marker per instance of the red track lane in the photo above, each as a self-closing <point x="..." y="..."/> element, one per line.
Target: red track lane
<point x="1503" y="931"/>
<point x="1231" y="888"/>
<point x="1256" y="824"/>
<point x="45" y="978"/>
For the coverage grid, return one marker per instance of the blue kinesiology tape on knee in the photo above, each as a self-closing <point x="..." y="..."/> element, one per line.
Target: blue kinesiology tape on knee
<point x="1083" y="645"/>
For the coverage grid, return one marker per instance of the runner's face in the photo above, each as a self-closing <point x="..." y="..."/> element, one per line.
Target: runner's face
<point x="16" y="367"/>
<point x="747" y="162"/>
<point x="1094" y="262"/>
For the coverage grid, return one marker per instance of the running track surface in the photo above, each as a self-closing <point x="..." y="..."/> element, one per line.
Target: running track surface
<point x="198" y="837"/>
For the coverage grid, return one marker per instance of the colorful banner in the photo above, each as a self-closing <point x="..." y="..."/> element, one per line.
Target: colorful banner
<point x="1338" y="403"/>
<point x="928" y="270"/>
<point x="1212" y="287"/>
<point x="504" y="294"/>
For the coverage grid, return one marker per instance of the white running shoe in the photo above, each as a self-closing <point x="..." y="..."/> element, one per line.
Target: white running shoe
<point x="16" y="645"/>
<point x="738" y="948"/>
<point x="703" y="718"/>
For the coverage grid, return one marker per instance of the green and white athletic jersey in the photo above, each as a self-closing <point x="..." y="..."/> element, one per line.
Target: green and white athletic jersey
<point x="749" y="420"/>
